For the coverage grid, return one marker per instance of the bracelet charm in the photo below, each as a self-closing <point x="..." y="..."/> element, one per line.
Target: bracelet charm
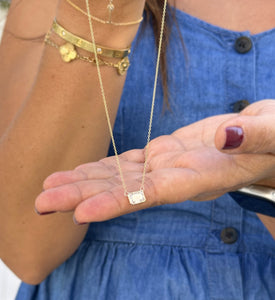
<point x="123" y="66"/>
<point x="67" y="52"/>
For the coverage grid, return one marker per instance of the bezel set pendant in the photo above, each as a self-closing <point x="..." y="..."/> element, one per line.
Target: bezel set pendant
<point x="136" y="197"/>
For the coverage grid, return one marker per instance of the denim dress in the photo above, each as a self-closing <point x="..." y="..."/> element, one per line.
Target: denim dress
<point x="191" y="250"/>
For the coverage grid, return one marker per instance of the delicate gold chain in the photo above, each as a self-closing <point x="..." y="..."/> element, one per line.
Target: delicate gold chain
<point x="71" y="54"/>
<point x="106" y="106"/>
<point x="103" y="21"/>
<point x="103" y="96"/>
<point x="154" y="92"/>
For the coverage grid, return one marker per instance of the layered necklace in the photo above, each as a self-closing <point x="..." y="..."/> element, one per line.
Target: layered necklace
<point x="135" y="197"/>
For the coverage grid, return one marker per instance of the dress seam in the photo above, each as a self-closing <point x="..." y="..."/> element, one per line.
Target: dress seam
<point x="90" y="241"/>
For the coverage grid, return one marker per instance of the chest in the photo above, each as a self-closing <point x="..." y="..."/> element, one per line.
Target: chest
<point x="239" y="15"/>
<point x="205" y="78"/>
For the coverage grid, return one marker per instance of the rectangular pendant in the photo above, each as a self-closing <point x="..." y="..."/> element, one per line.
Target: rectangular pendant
<point x="136" y="197"/>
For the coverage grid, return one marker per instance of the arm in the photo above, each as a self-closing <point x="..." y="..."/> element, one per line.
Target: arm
<point x="42" y="124"/>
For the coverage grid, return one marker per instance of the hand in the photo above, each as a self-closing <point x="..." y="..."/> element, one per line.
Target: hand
<point x="188" y="164"/>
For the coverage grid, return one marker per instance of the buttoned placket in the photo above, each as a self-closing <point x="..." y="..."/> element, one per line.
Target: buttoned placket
<point x="223" y="263"/>
<point x="226" y="224"/>
<point x="240" y="72"/>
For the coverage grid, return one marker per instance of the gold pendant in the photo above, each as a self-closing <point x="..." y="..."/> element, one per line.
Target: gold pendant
<point x="136" y="197"/>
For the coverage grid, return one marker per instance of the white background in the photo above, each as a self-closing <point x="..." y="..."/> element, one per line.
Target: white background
<point x="9" y="283"/>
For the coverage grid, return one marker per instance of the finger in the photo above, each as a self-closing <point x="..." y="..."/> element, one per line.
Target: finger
<point x="113" y="203"/>
<point x="161" y="187"/>
<point x="63" y="177"/>
<point x="132" y="156"/>
<point x="192" y="136"/>
<point x="68" y="196"/>
<point x="162" y="145"/>
<point x="136" y="155"/>
<point x="88" y="171"/>
<point x="106" y="168"/>
<point x="167" y="160"/>
<point x="98" y="170"/>
<point x="247" y="134"/>
<point x="164" y="185"/>
<point x="104" y="206"/>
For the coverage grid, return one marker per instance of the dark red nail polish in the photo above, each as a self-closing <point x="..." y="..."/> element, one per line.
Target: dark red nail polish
<point x="43" y="213"/>
<point x="78" y="223"/>
<point x="234" y="137"/>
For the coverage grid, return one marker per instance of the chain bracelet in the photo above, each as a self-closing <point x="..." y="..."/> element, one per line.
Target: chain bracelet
<point x="68" y="53"/>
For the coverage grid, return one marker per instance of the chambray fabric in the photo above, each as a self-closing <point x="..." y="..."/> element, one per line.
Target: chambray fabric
<point x="176" y="251"/>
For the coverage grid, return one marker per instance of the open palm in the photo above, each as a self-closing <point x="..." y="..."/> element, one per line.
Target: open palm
<point x="183" y="165"/>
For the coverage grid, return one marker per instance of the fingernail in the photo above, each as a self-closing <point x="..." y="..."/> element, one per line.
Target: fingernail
<point x="43" y="213"/>
<point x="234" y="137"/>
<point x="78" y="223"/>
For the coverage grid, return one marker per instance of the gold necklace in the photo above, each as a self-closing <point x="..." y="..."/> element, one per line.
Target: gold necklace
<point x="135" y="197"/>
<point x="110" y="8"/>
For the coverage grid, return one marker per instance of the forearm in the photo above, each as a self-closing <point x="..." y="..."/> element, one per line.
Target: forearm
<point x="61" y="124"/>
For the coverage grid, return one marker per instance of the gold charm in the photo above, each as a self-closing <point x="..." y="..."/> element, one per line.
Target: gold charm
<point x="123" y="66"/>
<point x="136" y="197"/>
<point x="68" y="52"/>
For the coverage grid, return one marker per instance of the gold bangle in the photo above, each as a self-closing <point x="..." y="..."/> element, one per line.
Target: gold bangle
<point x="69" y="53"/>
<point x="88" y="46"/>
<point x="103" y="21"/>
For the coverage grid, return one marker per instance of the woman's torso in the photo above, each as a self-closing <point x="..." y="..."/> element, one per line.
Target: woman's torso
<point x="205" y="250"/>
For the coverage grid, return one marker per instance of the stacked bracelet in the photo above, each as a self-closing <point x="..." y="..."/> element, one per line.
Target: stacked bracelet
<point x="69" y="53"/>
<point x="88" y="46"/>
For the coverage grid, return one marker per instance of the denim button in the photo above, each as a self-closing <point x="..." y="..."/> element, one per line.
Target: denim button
<point x="240" y="105"/>
<point x="229" y="235"/>
<point x="243" y="44"/>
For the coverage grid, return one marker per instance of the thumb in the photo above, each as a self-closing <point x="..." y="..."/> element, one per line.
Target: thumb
<point x="247" y="134"/>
